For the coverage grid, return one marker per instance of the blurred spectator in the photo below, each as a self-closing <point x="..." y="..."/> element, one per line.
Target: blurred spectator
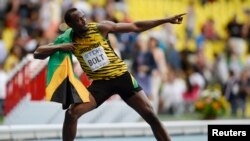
<point x="121" y="5"/>
<point x="3" y="4"/>
<point x="208" y="30"/>
<point x="13" y="17"/>
<point x="66" y="4"/>
<point x="142" y="67"/>
<point x="196" y="78"/>
<point x="186" y="57"/>
<point x="202" y="65"/>
<point x="3" y="79"/>
<point x="14" y="58"/>
<point x="203" y="2"/>
<point x="235" y="63"/>
<point x="235" y="41"/>
<point x="98" y="14"/>
<point x="171" y="96"/>
<point x="244" y="91"/>
<point x="166" y="36"/>
<point x="50" y="18"/>
<point x="173" y="58"/>
<point x="200" y="40"/>
<point x="84" y="6"/>
<point x="231" y="91"/>
<point x="3" y="51"/>
<point x="159" y="73"/>
<point x="11" y="24"/>
<point x="158" y="54"/>
<point x="114" y="44"/>
<point x="111" y="10"/>
<point x="25" y="40"/>
<point x="127" y="40"/>
<point x="220" y="69"/>
<point x="191" y="95"/>
<point x="190" y="26"/>
<point x="167" y="41"/>
<point x="246" y="28"/>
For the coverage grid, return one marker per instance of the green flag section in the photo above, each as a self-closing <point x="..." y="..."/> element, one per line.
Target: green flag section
<point x="62" y="84"/>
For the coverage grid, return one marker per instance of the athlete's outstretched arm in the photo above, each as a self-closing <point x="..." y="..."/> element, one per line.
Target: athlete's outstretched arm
<point x="139" y="26"/>
<point x="44" y="51"/>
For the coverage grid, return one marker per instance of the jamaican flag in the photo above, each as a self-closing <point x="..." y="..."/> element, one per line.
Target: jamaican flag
<point x="62" y="84"/>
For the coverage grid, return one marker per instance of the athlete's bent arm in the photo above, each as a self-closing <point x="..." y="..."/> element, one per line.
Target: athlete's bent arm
<point x="44" y="51"/>
<point x="139" y="26"/>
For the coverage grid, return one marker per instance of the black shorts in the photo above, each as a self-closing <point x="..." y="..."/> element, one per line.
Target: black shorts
<point x="124" y="85"/>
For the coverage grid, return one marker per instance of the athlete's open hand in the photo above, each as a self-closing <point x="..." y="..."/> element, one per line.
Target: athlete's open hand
<point x="177" y="19"/>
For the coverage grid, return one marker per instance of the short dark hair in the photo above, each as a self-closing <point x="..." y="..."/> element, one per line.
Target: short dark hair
<point x="67" y="16"/>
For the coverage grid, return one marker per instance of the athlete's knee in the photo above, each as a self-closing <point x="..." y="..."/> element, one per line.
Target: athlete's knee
<point x="71" y="114"/>
<point x="148" y="112"/>
<point x="151" y="117"/>
<point x="77" y="110"/>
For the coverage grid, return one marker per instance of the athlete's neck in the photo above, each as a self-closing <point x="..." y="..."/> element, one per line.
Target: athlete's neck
<point x="80" y="33"/>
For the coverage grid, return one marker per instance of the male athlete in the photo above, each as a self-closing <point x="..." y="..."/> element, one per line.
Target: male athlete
<point x="109" y="73"/>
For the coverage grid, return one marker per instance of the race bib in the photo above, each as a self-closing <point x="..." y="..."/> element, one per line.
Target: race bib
<point x="96" y="58"/>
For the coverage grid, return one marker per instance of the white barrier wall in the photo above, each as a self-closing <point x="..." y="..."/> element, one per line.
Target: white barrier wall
<point x="21" y="132"/>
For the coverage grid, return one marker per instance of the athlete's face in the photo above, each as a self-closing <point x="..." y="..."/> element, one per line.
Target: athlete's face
<point x="78" y="22"/>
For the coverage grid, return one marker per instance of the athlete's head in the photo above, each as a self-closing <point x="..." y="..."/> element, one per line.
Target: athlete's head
<point x="75" y="19"/>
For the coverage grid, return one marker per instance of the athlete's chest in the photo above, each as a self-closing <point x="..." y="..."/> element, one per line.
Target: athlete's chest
<point x="93" y="53"/>
<point x="92" y="39"/>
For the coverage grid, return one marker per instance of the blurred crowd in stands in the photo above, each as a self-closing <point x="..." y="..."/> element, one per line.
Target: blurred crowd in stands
<point x="172" y="78"/>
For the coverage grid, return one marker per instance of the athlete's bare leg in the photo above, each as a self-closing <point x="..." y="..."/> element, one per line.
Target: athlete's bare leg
<point x="140" y="103"/>
<point x="71" y="116"/>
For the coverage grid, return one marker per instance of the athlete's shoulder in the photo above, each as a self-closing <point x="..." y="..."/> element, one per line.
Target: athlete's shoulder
<point x="92" y="24"/>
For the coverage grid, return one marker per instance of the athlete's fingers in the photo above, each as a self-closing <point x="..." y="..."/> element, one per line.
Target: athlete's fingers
<point x="75" y="44"/>
<point x="72" y="48"/>
<point x="180" y="19"/>
<point x="180" y="15"/>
